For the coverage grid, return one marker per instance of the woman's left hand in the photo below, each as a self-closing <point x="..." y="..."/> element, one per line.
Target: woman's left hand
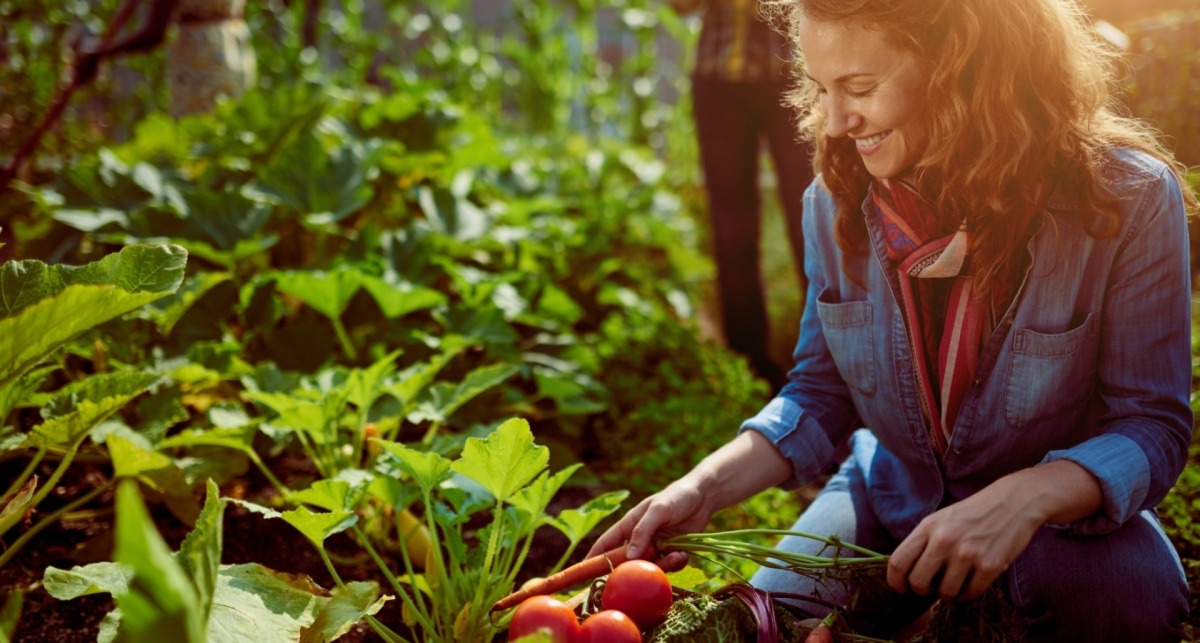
<point x="970" y="543"/>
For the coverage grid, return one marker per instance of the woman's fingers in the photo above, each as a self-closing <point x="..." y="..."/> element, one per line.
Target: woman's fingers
<point x="619" y="533"/>
<point x="657" y="515"/>
<point x="902" y="560"/>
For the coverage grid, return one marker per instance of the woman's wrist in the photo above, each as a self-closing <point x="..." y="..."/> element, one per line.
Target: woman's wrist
<point x="742" y="468"/>
<point x="1058" y="492"/>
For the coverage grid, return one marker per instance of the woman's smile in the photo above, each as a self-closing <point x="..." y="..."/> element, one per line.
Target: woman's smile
<point x="871" y="144"/>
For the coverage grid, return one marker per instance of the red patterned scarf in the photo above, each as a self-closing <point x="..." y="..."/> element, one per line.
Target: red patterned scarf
<point x="947" y="323"/>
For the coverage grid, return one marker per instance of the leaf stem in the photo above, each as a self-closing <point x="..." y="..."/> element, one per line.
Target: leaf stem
<point x="421" y="617"/>
<point x="24" y="477"/>
<point x="344" y="338"/>
<point x="283" y="489"/>
<point x="45" y="490"/>
<point x="329" y="565"/>
<point x="51" y="519"/>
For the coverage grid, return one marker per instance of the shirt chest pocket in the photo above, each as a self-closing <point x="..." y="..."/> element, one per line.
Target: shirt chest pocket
<point x="848" y="332"/>
<point x="1050" y="374"/>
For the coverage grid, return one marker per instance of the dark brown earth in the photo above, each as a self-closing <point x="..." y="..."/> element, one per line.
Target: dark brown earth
<point x="247" y="538"/>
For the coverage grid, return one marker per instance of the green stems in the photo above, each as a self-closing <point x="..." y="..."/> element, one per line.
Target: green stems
<point x="279" y="486"/>
<point x="422" y="618"/>
<point x="24" y="477"/>
<point x="344" y="338"/>
<point x="731" y="543"/>
<point x="382" y="630"/>
<point x="51" y="519"/>
<point x="45" y="490"/>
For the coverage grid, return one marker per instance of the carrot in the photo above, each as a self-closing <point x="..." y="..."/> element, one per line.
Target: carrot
<point x="593" y="567"/>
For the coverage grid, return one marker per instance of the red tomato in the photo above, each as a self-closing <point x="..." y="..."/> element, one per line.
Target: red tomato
<point x="639" y="589"/>
<point x="547" y="614"/>
<point x="609" y="626"/>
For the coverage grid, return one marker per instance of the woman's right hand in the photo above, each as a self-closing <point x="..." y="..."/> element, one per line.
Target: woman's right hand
<point x="678" y="509"/>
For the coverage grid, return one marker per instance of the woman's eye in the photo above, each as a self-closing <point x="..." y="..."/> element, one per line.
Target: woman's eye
<point x="865" y="92"/>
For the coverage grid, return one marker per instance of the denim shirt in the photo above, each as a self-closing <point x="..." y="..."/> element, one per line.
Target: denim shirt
<point x="1091" y="363"/>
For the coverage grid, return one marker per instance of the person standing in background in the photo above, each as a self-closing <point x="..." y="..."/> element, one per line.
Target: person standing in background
<point x="738" y="87"/>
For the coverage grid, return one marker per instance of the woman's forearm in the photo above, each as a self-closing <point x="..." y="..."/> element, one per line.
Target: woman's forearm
<point x="742" y="468"/>
<point x="1055" y="493"/>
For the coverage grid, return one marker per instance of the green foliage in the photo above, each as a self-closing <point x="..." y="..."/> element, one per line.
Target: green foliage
<point x="1165" y="57"/>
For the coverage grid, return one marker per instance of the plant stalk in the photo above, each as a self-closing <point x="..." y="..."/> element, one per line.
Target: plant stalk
<point x="24" y="477"/>
<point x="51" y="519"/>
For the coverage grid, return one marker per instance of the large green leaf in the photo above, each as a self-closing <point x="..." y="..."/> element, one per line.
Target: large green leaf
<point x="533" y="499"/>
<point x="158" y="472"/>
<point x="409" y="383"/>
<point x="441" y="400"/>
<point x="398" y="300"/>
<point x="79" y="408"/>
<point x="428" y="469"/>
<point x="224" y="218"/>
<point x="118" y="384"/>
<point x="328" y="292"/>
<point x="96" y="578"/>
<point x="200" y="553"/>
<point x="16" y="392"/>
<point x="43" y="307"/>
<point x="161" y="603"/>
<point x="506" y="461"/>
<point x="365" y="384"/>
<point x="576" y="524"/>
<point x="253" y="604"/>
<point x="349" y="605"/>
<point x="232" y="438"/>
<point x="325" y="186"/>
<point x="168" y="311"/>
<point x="331" y="495"/>
<point x="316" y="527"/>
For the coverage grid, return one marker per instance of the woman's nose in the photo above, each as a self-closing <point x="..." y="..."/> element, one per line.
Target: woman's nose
<point x="839" y="119"/>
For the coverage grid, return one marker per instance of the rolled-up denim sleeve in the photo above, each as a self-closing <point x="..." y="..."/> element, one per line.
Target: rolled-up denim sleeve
<point x="1145" y="369"/>
<point x="814" y="412"/>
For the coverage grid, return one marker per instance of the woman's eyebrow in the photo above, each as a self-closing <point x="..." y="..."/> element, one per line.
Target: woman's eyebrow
<point x="843" y="78"/>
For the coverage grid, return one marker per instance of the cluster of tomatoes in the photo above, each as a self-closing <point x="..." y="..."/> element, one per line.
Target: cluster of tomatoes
<point x="636" y="597"/>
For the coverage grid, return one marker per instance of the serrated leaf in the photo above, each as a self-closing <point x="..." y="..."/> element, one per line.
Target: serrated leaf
<point x="122" y="384"/>
<point x="426" y="468"/>
<point x="575" y="524"/>
<point x="441" y="400"/>
<point x="506" y="461"/>
<point x="168" y="311"/>
<point x="96" y="578"/>
<point x="327" y="186"/>
<point x="349" y="605"/>
<point x="16" y="392"/>
<point x="326" y="292"/>
<point x="316" y="527"/>
<point x="160" y="604"/>
<point x="200" y="553"/>
<point x="409" y="383"/>
<point x="332" y="495"/>
<point x="44" y="307"/>
<point x="254" y="508"/>
<point x="364" y="385"/>
<point x="533" y="499"/>
<point x="86" y="404"/>
<point x="403" y="298"/>
<point x="239" y="439"/>
<point x="157" y="472"/>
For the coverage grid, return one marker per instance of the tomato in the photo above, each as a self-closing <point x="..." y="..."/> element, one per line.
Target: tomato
<point x="548" y="614"/>
<point x="640" y="590"/>
<point x="609" y="626"/>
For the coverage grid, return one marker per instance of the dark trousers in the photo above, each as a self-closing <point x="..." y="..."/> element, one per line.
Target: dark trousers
<point x="731" y="118"/>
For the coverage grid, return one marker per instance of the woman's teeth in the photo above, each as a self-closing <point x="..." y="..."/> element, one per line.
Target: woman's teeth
<point x="873" y="141"/>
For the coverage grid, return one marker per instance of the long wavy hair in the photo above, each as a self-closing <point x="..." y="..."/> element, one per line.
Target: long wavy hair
<point x="1020" y="100"/>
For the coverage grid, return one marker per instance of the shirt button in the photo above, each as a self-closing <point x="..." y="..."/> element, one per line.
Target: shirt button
<point x="978" y="381"/>
<point x="956" y="452"/>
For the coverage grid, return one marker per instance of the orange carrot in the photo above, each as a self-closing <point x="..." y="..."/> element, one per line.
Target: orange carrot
<point x="587" y="570"/>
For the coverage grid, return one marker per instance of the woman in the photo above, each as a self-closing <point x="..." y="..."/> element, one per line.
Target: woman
<point x="999" y="291"/>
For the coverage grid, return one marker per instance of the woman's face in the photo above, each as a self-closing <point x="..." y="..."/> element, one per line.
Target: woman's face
<point x="870" y="91"/>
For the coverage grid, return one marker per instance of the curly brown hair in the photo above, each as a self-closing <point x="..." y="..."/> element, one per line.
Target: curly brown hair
<point x="1021" y="99"/>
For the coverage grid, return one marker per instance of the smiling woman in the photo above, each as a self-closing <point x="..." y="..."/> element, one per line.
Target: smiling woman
<point x="999" y="291"/>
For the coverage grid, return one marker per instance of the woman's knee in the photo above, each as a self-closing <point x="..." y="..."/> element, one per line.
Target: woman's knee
<point x="1126" y="585"/>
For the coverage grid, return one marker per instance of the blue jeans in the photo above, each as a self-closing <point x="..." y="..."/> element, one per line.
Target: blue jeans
<point x="1127" y="585"/>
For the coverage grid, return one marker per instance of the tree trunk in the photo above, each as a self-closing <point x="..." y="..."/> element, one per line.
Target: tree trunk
<point x="210" y="55"/>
